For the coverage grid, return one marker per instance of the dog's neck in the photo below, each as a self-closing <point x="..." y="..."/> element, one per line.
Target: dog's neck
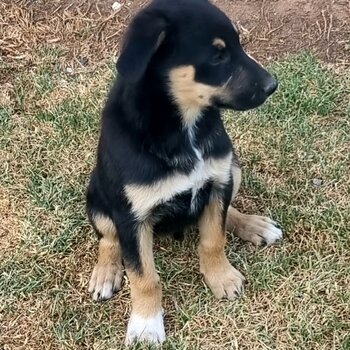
<point x="148" y="117"/>
<point x="161" y="114"/>
<point x="160" y="128"/>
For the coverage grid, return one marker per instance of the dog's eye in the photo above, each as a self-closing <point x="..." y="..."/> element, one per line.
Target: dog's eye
<point x="220" y="56"/>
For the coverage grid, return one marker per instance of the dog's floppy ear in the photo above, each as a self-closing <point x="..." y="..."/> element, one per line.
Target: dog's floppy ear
<point x="145" y="34"/>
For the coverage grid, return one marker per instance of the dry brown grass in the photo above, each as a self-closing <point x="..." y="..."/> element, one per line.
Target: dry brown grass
<point x="75" y="36"/>
<point x="86" y="32"/>
<point x="297" y="296"/>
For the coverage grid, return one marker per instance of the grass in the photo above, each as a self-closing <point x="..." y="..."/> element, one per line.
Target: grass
<point x="295" y="153"/>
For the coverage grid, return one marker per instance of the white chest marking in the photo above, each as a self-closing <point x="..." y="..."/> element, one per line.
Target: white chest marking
<point x="197" y="186"/>
<point x="145" y="197"/>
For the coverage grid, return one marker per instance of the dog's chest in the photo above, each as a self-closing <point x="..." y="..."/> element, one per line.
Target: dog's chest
<point x="144" y="198"/>
<point x="187" y="188"/>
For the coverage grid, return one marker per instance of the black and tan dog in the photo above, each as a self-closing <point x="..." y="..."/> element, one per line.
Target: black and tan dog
<point x="165" y="161"/>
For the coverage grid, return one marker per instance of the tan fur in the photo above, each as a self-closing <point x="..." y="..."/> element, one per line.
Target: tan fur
<point x="109" y="251"/>
<point x="105" y="226"/>
<point x="144" y="198"/>
<point x="109" y="268"/>
<point x="219" y="43"/>
<point x="221" y="277"/>
<point x="237" y="178"/>
<point x="109" y="246"/>
<point x="146" y="292"/>
<point x="190" y="95"/>
<point x="212" y="236"/>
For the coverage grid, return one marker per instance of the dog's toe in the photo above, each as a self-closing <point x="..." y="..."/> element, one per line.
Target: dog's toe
<point x="105" y="281"/>
<point x="225" y="281"/>
<point x="270" y="233"/>
<point x="259" y="230"/>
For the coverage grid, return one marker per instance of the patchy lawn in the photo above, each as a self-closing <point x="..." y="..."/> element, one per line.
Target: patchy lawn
<point x="295" y="154"/>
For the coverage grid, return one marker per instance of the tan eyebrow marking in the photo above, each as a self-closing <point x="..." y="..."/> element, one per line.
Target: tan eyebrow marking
<point x="219" y="43"/>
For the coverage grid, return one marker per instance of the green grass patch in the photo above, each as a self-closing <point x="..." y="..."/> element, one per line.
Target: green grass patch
<point x="295" y="156"/>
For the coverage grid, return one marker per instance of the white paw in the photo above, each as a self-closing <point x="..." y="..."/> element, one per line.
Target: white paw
<point x="105" y="281"/>
<point x="267" y="229"/>
<point x="150" y="330"/>
<point x="257" y="229"/>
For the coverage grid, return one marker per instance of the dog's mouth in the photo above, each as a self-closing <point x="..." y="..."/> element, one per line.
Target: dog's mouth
<point x="240" y="103"/>
<point x="242" y="100"/>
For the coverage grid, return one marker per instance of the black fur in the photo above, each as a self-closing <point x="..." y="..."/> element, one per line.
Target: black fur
<point x="143" y="139"/>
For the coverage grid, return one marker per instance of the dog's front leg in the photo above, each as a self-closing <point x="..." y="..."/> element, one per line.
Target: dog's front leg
<point x="257" y="229"/>
<point x="222" y="278"/>
<point x="146" y="320"/>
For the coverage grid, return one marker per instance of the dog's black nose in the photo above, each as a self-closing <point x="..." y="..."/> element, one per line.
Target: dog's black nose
<point x="270" y="86"/>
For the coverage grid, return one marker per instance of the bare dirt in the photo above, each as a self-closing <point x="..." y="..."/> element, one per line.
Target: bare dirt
<point x="273" y="28"/>
<point x="88" y="32"/>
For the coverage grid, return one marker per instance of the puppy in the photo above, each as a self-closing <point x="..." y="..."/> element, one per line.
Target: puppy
<point x="165" y="161"/>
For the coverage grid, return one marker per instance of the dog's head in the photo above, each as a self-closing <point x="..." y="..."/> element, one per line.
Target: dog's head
<point x="195" y="50"/>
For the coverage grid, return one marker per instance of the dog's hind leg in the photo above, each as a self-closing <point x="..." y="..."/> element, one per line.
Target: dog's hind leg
<point x="107" y="275"/>
<point x="257" y="229"/>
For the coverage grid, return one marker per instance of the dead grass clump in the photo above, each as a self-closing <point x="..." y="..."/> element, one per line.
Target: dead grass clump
<point x="61" y="33"/>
